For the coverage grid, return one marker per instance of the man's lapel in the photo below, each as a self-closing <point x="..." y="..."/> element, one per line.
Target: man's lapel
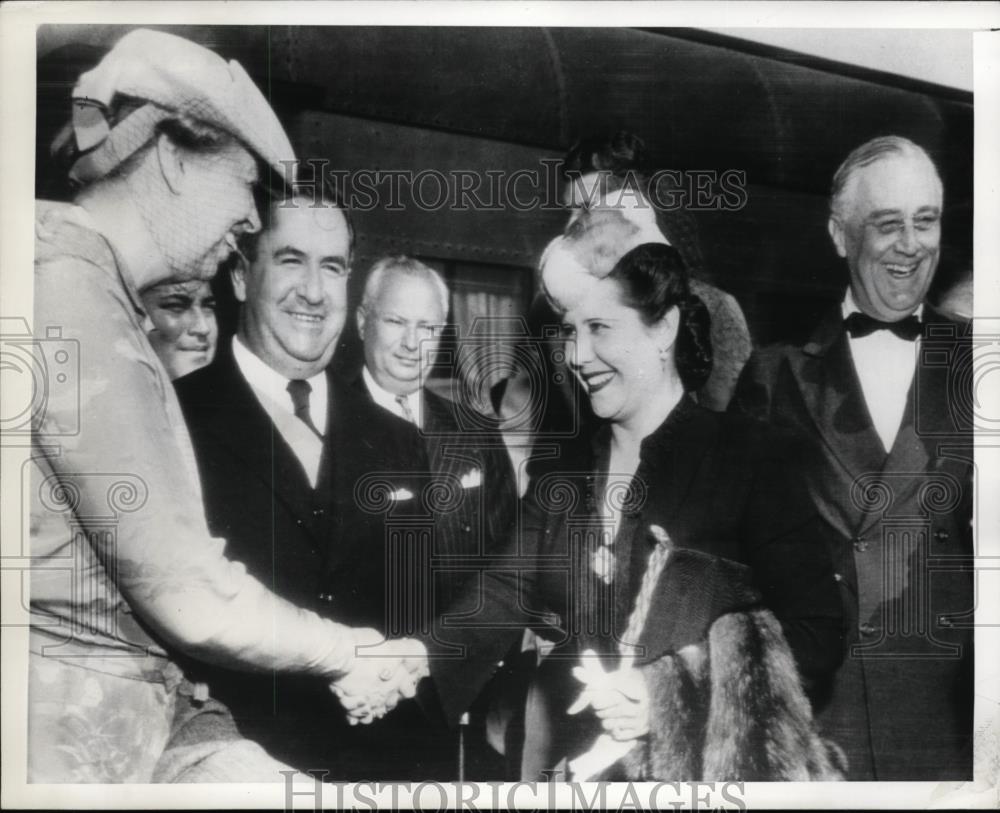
<point x="364" y="440"/>
<point x="348" y="453"/>
<point x="904" y="472"/>
<point x="831" y="391"/>
<point x="438" y="427"/>
<point x="928" y="420"/>
<point x="333" y="455"/>
<point x="341" y="467"/>
<point x="251" y="436"/>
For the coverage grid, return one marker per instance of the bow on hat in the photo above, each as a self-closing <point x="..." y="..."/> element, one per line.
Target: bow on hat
<point x="171" y="75"/>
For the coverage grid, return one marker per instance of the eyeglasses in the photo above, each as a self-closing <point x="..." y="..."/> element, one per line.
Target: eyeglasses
<point x="398" y="326"/>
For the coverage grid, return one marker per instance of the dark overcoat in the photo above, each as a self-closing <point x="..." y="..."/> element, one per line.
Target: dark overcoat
<point x="330" y="549"/>
<point x="723" y="491"/>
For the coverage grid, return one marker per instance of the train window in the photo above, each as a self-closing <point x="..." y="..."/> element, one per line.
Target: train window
<point x="489" y="305"/>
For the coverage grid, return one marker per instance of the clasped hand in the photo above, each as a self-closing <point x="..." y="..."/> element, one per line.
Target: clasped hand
<point x="384" y="672"/>
<point x="620" y="699"/>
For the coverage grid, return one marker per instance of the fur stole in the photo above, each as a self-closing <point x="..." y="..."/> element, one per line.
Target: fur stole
<point x="732" y="708"/>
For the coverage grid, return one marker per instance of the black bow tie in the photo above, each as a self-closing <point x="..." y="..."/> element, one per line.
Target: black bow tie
<point x="860" y="325"/>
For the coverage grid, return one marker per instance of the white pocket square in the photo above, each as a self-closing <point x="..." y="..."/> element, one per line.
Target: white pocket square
<point x="472" y="479"/>
<point x="401" y="495"/>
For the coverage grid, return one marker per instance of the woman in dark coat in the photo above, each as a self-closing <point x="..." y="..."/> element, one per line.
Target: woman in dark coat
<point x="675" y="562"/>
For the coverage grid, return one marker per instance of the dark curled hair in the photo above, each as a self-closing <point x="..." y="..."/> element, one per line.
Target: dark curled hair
<point x="269" y="200"/>
<point x="624" y="158"/>
<point x="620" y="154"/>
<point x="654" y="279"/>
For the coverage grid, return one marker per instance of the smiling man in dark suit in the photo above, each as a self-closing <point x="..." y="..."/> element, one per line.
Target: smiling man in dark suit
<point x="874" y="396"/>
<point x="403" y="311"/>
<point x="282" y="445"/>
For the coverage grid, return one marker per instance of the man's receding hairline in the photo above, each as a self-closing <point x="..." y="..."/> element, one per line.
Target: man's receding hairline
<point x="391" y="273"/>
<point x="404" y="266"/>
<point x="848" y="193"/>
<point x="267" y="229"/>
<point x="280" y="205"/>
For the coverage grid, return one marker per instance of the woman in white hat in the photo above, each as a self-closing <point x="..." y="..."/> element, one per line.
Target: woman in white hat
<point x="167" y="142"/>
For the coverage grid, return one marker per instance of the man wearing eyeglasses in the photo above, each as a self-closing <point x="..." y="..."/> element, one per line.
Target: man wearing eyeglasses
<point x="875" y="395"/>
<point x="470" y="490"/>
<point x="403" y="311"/>
<point x="281" y="445"/>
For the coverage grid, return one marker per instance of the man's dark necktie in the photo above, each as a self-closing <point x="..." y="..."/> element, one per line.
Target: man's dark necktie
<point x="299" y="389"/>
<point x="860" y="325"/>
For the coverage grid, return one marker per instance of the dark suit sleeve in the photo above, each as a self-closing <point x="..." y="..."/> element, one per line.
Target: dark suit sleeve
<point x="476" y="632"/>
<point x="788" y="548"/>
<point x="752" y="396"/>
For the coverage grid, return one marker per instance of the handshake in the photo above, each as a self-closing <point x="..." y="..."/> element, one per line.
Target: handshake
<point x="384" y="672"/>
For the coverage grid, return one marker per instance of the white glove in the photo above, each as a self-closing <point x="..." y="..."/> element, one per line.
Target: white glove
<point x="383" y="673"/>
<point x="620" y="699"/>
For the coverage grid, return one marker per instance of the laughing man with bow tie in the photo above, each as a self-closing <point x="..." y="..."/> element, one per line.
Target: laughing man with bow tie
<point x="879" y="436"/>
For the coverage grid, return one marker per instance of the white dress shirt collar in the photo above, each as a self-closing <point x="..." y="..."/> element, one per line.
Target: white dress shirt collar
<point x="271" y="389"/>
<point x="387" y="400"/>
<point x="885" y="364"/>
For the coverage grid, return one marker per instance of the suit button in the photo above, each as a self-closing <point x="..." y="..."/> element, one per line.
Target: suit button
<point x="299" y="522"/>
<point x="327" y="597"/>
<point x="467" y="528"/>
<point x="860" y="544"/>
<point x="837" y="577"/>
<point x="867" y="630"/>
<point x="318" y="512"/>
<point x="941" y="535"/>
